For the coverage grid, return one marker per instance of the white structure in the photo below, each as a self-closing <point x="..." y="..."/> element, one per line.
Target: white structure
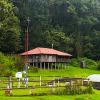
<point x="18" y="75"/>
<point x="94" y="77"/>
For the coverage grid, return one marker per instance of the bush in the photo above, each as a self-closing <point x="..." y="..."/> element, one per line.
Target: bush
<point x="33" y="69"/>
<point x="75" y="62"/>
<point x="5" y="71"/>
<point x="75" y="88"/>
<point x="98" y="65"/>
<point x="19" y="63"/>
<point x="8" y="64"/>
<point x="89" y="63"/>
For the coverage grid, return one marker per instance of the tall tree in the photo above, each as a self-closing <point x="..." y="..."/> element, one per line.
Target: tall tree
<point x="57" y="38"/>
<point x="9" y="28"/>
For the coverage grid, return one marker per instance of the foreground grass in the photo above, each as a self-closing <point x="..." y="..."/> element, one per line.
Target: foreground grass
<point x="69" y="72"/>
<point x="94" y="96"/>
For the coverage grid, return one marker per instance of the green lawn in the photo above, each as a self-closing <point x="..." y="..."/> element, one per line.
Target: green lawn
<point x="95" y="96"/>
<point x="69" y="72"/>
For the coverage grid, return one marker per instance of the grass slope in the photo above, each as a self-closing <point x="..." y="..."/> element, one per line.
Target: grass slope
<point x="69" y="72"/>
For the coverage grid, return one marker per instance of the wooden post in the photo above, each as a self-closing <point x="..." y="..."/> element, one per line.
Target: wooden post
<point x="48" y="66"/>
<point x="61" y="66"/>
<point x="36" y="64"/>
<point x="70" y="85"/>
<point x="54" y="86"/>
<point x="41" y="65"/>
<point x="54" y="83"/>
<point x="18" y="86"/>
<point x="82" y="82"/>
<point x="58" y="82"/>
<point x="51" y="65"/>
<point x="58" y="85"/>
<point x="33" y="64"/>
<point x="55" y="65"/>
<point x="44" y="65"/>
<point x="10" y="82"/>
<point x="58" y="66"/>
<point x="65" y="65"/>
<point x="40" y="81"/>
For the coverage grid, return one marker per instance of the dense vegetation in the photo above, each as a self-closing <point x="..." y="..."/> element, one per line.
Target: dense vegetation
<point x="9" y="28"/>
<point x="70" y="25"/>
<point x="9" y="64"/>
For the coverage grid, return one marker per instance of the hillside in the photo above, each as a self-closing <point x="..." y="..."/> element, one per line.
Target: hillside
<point x="69" y="72"/>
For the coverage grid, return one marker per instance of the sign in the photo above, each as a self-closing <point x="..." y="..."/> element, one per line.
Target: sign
<point x="18" y="75"/>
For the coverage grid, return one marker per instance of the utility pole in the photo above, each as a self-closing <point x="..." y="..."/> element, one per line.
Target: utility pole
<point x="26" y="44"/>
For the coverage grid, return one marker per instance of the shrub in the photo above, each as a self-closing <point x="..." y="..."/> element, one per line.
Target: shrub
<point x="74" y="89"/>
<point x="89" y="63"/>
<point x="5" y="71"/>
<point x="9" y="63"/>
<point x="98" y="65"/>
<point x="19" y="63"/>
<point x="33" y="69"/>
<point x="75" y="62"/>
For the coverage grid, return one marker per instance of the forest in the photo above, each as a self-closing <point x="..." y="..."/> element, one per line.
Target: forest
<point x="70" y="25"/>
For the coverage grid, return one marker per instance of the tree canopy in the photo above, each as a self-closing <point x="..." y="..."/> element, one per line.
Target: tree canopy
<point x="9" y="28"/>
<point x="71" y="25"/>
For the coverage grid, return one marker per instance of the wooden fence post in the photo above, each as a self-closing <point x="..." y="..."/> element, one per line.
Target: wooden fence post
<point x="18" y="86"/>
<point x="48" y="65"/>
<point x="10" y="82"/>
<point x="44" y="65"/>
<point x="40" y="81"/>
<point x="40" y="65"/>
<point x="51" y="65"/>
<point x="58" y="82"/>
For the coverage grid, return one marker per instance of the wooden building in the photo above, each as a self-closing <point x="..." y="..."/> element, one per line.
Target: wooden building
<point x="46" y="57"/>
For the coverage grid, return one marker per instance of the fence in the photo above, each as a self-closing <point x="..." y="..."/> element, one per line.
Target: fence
<point x="43" y="85"/>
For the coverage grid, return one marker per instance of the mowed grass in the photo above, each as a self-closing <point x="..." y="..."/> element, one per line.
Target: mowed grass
<point x="69" y="72"/>
<point x="95" y="96"/>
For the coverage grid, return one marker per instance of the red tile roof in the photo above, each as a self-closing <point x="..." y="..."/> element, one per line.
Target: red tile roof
<point x="45" y="51"/>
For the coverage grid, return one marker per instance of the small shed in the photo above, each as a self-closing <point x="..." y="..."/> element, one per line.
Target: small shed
<point x="95" y="78"/>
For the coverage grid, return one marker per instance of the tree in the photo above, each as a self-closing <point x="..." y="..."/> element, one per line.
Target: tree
<point x="57" y="38"/>
<point x="9" y="28"/>
<point x="79" y="20"/>
<point x="37" y="11"/>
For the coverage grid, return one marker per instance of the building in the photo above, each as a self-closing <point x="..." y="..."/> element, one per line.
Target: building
<point x="46" y="57"/>
<point x="95" y="79"/>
